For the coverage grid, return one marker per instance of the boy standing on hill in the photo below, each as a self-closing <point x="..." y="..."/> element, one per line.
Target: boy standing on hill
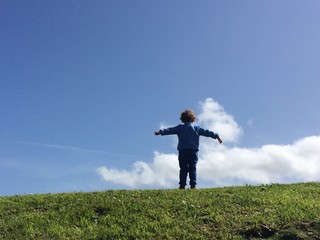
<point x="188" y="146"/>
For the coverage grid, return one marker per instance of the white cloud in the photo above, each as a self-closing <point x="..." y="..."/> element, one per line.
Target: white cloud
<point x="214" y="117"/>
<point x="222" y="165"/>
<point x="267" y="164"/>
<point x="161" y="172"/>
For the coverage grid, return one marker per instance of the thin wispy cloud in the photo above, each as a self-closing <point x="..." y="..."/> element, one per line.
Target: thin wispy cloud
<point x="72" y="148"/>
<point x="223" y="165"/>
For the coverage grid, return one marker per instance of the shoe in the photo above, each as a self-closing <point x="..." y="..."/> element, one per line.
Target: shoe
<point x="193" y="186"/>
<point x="182" y="186"/>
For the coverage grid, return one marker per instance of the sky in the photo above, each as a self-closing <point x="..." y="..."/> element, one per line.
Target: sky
<point x="84" y="85"/>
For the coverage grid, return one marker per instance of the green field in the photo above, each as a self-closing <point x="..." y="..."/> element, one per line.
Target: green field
<point x="247" y="212"/>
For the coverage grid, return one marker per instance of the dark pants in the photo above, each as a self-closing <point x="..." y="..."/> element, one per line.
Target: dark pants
<point x="188" y="164"/>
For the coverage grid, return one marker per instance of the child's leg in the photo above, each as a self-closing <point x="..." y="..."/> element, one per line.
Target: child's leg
<point x="183" y="164"/>
<point x="188" y="164"/>
<point x="193" y="160"/>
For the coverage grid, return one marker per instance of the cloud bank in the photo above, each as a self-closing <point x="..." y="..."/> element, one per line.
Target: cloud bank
<point x="220" y="165"/>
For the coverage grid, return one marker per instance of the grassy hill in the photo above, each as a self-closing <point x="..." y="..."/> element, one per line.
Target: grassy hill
<point x="247" y="212"/>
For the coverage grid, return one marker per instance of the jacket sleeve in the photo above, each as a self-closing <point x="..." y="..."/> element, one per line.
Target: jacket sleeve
<point x="169" y="131"/>
<point x="208" y="133"/>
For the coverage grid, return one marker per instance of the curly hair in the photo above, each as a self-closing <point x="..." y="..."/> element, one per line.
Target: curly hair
<point x="188" y="116"/>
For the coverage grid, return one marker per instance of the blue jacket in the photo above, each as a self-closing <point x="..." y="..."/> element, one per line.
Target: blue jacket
<point x="188" y="135"/>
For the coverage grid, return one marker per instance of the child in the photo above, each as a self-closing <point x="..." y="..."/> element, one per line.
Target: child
<point x="188" y="146"/>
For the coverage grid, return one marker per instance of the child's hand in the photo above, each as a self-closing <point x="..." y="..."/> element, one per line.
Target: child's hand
<point x="220" y="140"/>
<point x="157" y="133"/>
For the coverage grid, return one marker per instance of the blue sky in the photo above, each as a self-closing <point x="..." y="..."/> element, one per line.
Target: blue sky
<point x="84" y="84"/>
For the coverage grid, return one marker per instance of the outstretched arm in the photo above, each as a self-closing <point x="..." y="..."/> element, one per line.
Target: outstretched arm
<point x="167" y="131"/>
<point x="216" y="136"/>
<point x="208" y="133"/>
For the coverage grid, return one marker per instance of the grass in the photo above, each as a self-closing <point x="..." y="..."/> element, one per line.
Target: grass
<point x="247" y="212"/>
